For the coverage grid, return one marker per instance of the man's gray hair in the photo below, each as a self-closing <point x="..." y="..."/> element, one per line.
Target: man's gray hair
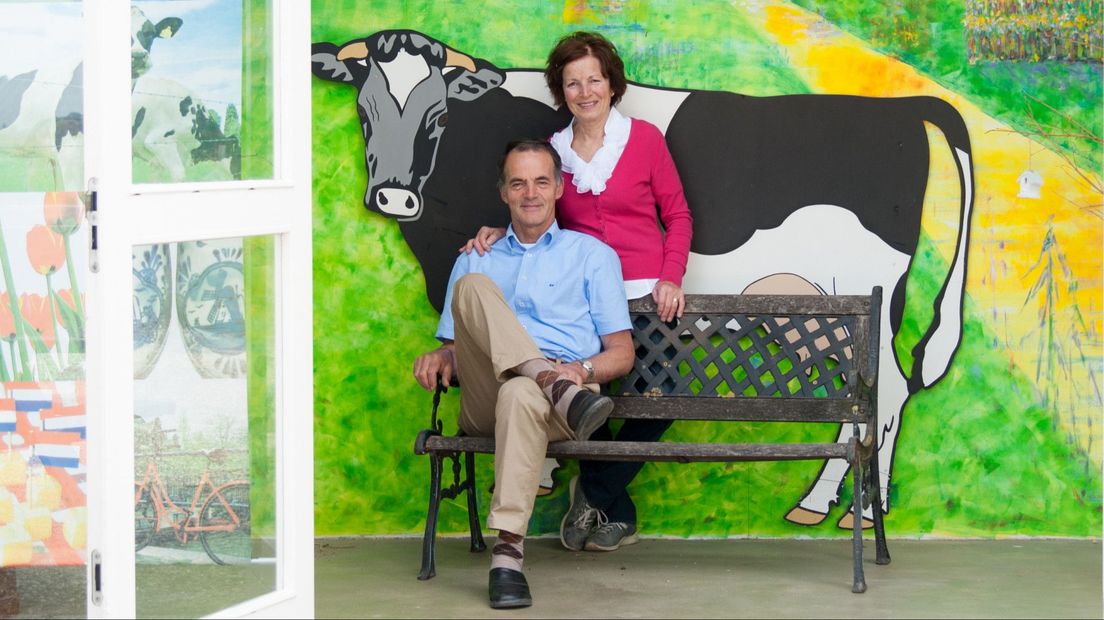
<point x="529" y="146"/>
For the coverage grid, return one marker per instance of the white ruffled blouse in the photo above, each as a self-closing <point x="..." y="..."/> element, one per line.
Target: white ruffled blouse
<point x="591" y="176"/>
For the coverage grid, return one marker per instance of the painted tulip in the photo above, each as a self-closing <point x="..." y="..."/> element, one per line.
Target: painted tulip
<point x="66" y="297"/>
<point x="45" y="249"/>
<point x="36" y="312"/>
<point x="63" y="211"/>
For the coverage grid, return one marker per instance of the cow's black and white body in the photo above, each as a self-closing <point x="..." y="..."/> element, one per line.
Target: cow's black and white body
<point x="828" y="188"/>
<point x="173" y="130"/>
<point x="42" y="118"/>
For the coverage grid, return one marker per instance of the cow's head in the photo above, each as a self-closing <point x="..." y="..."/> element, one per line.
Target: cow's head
<point x="142" y="34"/>
<point x="405" y="80"/>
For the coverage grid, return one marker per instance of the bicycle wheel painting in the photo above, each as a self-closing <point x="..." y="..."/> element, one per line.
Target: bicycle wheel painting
<point x="224" y="524"/>
<point x="145" y="518"/>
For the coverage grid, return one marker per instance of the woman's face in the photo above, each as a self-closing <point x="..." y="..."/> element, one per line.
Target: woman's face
<point x="586" y="91"/>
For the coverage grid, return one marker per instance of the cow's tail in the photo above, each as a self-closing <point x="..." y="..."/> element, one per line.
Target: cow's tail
<point x="937" y="346"/>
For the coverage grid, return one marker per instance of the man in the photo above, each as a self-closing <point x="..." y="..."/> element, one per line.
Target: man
<point x="530" y="328"/>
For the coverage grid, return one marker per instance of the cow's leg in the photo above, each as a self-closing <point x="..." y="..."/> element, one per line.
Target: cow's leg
<point x="164" y="153"/>
<point x="892" y="395"/>
<point x="891" y="401"/>
<point x="825" y="490"/>
<point x="70" y="158"/>
<point x="55" y="170"/>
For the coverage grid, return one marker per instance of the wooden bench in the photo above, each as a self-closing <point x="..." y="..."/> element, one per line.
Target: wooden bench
<point x="745" y="358"/>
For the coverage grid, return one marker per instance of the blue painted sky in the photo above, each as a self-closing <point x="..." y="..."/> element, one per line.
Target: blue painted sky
<point x="205" y="55"/>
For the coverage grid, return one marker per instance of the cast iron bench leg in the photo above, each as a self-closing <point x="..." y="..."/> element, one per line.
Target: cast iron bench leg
<point x="477" y="543"/>
<point x="856" y="506"/>
<point x="876" y="508"/>
<point x="429" y="541"/>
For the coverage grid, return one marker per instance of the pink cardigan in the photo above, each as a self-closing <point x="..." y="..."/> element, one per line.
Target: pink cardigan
<point x="624" y="214"/>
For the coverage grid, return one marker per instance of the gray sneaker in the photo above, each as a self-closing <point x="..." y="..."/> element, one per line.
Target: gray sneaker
<point x="580" y="519"/>
<point x="611" y="536"/>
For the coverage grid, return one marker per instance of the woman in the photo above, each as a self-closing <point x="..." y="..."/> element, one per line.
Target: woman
<point x="618" y="173"/>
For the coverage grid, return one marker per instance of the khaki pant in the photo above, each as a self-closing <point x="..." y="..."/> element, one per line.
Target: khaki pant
<point x="495" y="402"/>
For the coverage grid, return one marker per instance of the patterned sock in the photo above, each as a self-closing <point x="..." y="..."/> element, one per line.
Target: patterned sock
<point x="560" y="391"/>
<point x="509" y="551"/>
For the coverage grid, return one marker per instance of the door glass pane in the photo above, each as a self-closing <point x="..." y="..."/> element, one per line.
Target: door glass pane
<point x="43" y="521"/>
<point x="204" y="338"/>
<point x="200" y="100"/>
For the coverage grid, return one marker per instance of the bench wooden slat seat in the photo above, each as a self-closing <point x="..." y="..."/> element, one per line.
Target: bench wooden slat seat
<point x="667" y="451"/>
<point x="730" y="358"/>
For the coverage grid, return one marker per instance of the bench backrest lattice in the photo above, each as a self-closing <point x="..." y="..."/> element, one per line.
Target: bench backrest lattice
<point x="748" y="347"/>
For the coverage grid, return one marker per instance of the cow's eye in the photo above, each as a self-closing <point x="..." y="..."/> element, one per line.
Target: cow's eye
<point x="443" y="120"/>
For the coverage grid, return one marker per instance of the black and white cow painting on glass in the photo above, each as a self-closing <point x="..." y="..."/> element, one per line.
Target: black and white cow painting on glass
<point x="823" y="190"/>
<point x="42" y="115"/>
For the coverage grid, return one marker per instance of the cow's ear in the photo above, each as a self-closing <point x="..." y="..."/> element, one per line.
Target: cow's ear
<point x="466" y="85"/>
<point x="325" y="65"/>
<point x="168" y="27"/>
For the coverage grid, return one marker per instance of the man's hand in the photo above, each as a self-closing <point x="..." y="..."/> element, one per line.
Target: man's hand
<point x="440" y="362"/>
<point x="573" y="371"/>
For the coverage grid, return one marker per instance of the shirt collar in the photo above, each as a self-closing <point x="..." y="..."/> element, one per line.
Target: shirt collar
<point x="545" y="239"/>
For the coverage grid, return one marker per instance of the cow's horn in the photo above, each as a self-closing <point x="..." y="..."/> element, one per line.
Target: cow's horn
<point x="358" y="50"/>
<point x="454" y="58"/>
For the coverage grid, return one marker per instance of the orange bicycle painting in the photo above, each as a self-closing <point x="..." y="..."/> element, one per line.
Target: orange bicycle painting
<point x="218" y="515"/>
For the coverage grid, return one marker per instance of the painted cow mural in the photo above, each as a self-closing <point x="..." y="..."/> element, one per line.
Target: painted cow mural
<point x="823" y="190"/>
<point x="171" y="128"/>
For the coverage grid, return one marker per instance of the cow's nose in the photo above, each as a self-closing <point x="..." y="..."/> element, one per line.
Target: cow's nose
<point x="397" y="201"/>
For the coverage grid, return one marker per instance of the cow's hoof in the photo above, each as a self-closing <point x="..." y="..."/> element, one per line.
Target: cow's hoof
<point x="802" y="516"/>
<point x="847" y="522"/>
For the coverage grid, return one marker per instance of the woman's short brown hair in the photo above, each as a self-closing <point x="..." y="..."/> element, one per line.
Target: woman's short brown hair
<point x="575" y="46"/>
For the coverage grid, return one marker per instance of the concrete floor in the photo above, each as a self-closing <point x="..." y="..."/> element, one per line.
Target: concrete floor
<point x="376" y="578"/>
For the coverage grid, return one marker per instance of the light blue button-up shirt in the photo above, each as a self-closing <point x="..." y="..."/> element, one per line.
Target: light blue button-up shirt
<point x="566" y="290"/>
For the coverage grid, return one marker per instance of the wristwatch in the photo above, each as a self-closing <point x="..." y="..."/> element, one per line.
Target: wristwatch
<point x="589" y="368"/>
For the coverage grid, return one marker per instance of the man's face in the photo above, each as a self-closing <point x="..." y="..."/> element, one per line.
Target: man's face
<point x="530" y="191"/>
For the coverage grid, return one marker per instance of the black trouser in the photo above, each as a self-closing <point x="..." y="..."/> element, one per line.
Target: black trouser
<point x="604" y="482"/>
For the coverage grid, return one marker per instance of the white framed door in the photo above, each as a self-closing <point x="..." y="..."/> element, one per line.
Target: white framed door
<point x="200" y="408"/>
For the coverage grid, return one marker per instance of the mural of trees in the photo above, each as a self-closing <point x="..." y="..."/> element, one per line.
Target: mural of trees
<point x="1034" y="30"/>
<point x="1061" y="337"/>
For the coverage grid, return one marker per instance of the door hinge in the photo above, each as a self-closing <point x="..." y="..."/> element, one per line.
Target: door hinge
<point x="92" y="214"/>
<point x="96" y="566"/>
